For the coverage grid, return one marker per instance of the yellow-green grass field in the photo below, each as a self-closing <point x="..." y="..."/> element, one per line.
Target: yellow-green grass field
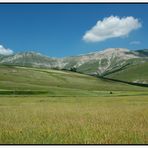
<point x="74" y="120"/>
<point x="46" y="106"/>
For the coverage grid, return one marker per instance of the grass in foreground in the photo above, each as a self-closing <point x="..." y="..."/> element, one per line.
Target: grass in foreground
<point x="74" y="120"/>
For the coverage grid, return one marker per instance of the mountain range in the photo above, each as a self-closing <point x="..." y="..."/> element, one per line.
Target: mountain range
<point x="115" y="63"/>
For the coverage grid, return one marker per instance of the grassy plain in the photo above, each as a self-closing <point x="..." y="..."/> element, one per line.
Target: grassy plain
<point x="40" y="106"/>
<point x="74" y="120"/>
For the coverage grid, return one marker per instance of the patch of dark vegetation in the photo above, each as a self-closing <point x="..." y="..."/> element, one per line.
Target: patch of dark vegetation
<point x="73" y="69"/>
<point x="7" y="65"/>
<point x="131" y="83"/>
<point x="22" y="92"/>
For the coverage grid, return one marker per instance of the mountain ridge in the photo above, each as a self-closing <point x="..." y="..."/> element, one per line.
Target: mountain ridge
<point x="100" y="63"/>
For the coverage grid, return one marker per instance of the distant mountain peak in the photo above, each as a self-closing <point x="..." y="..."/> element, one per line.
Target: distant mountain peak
<point x="114" y="50"/>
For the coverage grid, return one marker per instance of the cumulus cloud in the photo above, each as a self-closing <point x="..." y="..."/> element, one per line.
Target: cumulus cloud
<point x="135" y="42"/>
<point x="5" y="51"/>
<point x="111" y="27"/>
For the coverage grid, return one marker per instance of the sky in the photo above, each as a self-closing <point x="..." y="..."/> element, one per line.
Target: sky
<point x="60" y="30"/>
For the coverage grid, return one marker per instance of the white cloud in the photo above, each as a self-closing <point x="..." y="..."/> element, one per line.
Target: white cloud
<point x="135" y="42"/>
<point x="5" y="51"/>
<point x="111" y="27"/>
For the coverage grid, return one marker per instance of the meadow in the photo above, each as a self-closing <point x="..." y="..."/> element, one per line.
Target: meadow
<point x="74" y="120"/>
<point x="40" y="106"/>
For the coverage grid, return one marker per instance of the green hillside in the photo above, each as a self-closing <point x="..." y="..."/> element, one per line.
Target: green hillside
<point x="56" y="82"/>
<point x="136" y="73"/>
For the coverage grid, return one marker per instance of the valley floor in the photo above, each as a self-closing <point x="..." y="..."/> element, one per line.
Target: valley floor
<point x="111" y="119"/>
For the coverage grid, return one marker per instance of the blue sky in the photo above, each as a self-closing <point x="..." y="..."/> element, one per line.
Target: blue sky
<point x="58" y="30"/>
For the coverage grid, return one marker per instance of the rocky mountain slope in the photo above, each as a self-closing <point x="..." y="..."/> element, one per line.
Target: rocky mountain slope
<point x="101" y="63"/>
